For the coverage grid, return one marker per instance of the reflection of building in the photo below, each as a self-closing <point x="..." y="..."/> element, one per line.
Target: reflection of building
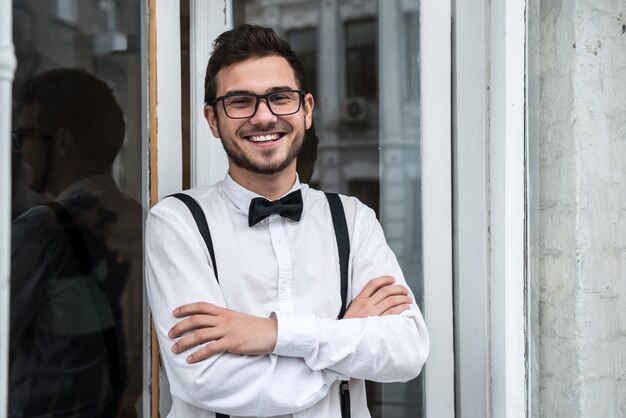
<point x="367" y="102"/>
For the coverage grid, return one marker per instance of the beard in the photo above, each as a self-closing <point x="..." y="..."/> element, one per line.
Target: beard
<point x="265" y="167"/>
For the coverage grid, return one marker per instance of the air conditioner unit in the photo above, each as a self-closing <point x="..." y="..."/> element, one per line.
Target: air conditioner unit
<point x="354" y="110"/>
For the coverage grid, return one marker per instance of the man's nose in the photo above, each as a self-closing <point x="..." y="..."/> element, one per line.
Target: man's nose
<point x="263" y="114"/>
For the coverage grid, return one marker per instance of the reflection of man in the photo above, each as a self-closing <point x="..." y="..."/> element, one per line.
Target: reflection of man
<point x="275" y="346"/>
<point x="76" y="261"/>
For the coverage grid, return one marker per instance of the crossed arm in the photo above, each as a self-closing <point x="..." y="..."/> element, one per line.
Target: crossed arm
<point x="259" y="366"/>
<point x="235" y="332"/>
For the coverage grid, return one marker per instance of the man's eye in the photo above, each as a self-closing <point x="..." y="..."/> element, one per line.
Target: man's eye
<point x="239" y="101"/>
<point x="280" y="97"/>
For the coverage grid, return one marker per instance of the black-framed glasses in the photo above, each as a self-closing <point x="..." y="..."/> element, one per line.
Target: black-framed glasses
<point x="19" y="135"/>
<point x="245" y="105"/>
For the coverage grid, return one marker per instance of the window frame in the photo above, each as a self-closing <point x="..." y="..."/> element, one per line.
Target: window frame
<point x="436" y="90"/>
<point x="8" y="64"/>
<point x="490" y="243"/>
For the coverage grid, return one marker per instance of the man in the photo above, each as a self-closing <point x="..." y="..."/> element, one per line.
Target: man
<point x="265" y="339"/>
<point x="75" y="343"/>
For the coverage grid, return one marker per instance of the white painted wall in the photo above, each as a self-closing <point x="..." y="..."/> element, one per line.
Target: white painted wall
<point x="577" y="190"/>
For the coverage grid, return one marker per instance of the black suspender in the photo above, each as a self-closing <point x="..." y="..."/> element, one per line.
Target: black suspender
<point x="343" y="247"/>
<point x="200" y="219"/>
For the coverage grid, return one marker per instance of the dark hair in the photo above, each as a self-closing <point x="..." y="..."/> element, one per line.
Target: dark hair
<point x="74" y="99"/>
<point x="242" y="43"/>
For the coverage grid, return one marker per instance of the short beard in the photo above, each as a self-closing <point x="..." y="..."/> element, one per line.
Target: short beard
<point x="241" y="161"/>
<point x="268" y="170"/>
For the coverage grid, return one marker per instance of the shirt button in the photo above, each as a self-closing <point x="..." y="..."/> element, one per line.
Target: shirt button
<point x="283" y="286"/>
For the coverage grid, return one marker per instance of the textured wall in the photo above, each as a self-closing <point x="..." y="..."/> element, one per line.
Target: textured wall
<point x="577" y="188"/>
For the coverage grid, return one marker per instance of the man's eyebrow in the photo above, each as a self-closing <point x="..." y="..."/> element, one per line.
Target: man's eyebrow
<point x="278" y="88"/>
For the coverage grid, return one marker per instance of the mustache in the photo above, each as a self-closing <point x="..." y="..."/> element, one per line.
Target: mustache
<point x="260" y="130"/>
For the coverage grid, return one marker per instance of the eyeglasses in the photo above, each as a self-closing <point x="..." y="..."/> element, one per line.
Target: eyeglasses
<point x="243" y="106"/>
<point x="19" y="135"/>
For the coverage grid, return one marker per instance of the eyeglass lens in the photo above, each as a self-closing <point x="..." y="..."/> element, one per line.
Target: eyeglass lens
<point x="19" y="135"/>
<point x="245" y="105"/>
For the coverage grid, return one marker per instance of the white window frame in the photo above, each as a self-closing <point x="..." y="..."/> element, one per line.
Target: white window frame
<point x="7" y="71"/>
<point x="507" y="196"/>
<point x="436" y="88"/>
<point x="471" y="208"/>
<point x="169" y="116"/>
<point x="490" y="241"/>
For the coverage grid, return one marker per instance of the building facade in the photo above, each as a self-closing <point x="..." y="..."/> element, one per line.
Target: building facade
<point x="489" y="137"/>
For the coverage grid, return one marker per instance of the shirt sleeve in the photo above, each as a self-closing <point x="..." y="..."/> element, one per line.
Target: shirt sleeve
<point x="390" y="348"/>
<point x="178" y="271"/>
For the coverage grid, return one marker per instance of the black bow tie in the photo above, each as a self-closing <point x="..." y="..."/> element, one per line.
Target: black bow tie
<point x="289" y="206"/>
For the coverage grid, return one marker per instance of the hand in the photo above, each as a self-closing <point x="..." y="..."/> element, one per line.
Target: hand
<point x="380" y="297"/>
<point x="224" y="330"/>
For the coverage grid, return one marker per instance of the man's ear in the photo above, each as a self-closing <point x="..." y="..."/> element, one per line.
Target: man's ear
<point x="211" y="117"/>
<point x="309" y="103"/>
<point x="63" y="140"/>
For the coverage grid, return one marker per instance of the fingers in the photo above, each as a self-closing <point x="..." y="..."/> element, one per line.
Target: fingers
<point x="197" y="308"/>
<point x="379" y="296"/>
<point x="191" y="323"/>
<point x="389" y="291"/>
<point x="215" y="347"/>
<point x="197" y="338"/>
<point x="393" y="301"/>
<point x="375" y="284"/>
<point x="396" y="310"/>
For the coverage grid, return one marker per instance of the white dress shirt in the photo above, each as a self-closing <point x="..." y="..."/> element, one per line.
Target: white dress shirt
<point x="291" y="269"/>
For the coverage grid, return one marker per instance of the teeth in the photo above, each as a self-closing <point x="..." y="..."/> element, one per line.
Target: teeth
<point x="263" y="138"/>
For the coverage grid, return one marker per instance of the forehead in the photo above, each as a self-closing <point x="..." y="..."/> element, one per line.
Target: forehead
<point x="29" y="118"/>
<point x="257" y="75"/>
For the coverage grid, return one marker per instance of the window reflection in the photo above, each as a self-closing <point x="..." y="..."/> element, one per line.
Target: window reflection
<point x="76" y="239"/>
<point x="361" y="60"/>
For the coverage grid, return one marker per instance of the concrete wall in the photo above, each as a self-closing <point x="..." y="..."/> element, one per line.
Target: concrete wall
<point x="577" y="216"/>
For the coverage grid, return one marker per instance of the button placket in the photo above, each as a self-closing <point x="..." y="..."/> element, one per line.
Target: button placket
<point x="283" y="257"/>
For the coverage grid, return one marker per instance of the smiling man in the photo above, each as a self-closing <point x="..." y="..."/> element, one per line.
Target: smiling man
<point x="252" y="327"/>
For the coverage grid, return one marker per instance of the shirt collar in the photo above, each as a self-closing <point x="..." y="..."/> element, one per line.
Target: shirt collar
<point x="241" y="196"/>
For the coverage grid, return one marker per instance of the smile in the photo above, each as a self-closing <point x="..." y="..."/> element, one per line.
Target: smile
<point x="264" y="138"/>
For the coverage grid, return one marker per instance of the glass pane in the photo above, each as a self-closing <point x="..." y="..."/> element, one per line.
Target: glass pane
<point x="76" y="255"/>
<point x="367" y="125"/>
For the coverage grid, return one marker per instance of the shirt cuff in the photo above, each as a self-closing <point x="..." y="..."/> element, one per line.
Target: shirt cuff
<point x="297" y="335"/>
